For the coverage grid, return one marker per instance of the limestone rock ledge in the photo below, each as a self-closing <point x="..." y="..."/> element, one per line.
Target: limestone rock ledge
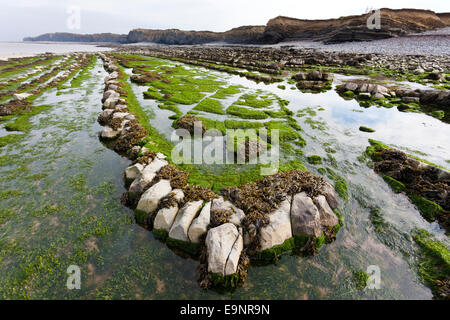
<point x="222" y="230"/>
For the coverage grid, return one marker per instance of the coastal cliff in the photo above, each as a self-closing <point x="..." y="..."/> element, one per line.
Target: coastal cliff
<point x="393" y="23"/>
<point x="74" y="37"/>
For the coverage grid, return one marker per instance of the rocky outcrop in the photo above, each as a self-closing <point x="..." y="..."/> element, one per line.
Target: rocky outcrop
<point x="191" y="124"/>
<point x="426" y="185"/>
<point x="195" y="219"/>
<point x="394" y="23"/>
<point x="313" y="80"/>
<point x="367" y="90"/>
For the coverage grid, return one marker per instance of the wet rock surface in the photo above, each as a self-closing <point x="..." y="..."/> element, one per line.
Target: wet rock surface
<point x="427" y="186"/>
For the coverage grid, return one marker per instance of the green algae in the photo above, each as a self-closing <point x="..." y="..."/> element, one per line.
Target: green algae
<point x="340" y="185"/>
<point x="286" y="132"/>
<point x="429" y="209"/>
<point x="360" y="278"/>
<point x="234" y="124"/>
<point x="434" y="263"/>
<point x="22" y="122"/>
<point x="366" y="129"/>
<point x="314" y="159"/>
<point x="224" y="93"/>
<point x="213" y="124"/>
<point x="10" y="138"/>
<point x="251" y="100"/>
<point x="396" y="185"/>
<point x="245" y="113"/>
<point x="210" y="105"/>
<point x="273" y="254"/>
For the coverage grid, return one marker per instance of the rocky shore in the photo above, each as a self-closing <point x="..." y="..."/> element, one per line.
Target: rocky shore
<point x="57" y="73"/>
<point x="426" y="185"/>
<point x="292" y="210"/>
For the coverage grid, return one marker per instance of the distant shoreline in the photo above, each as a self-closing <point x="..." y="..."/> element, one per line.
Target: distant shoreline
<point x="20" y="49"/>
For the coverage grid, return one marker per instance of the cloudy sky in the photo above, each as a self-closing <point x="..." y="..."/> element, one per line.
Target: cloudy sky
<point x="20" y="18"/>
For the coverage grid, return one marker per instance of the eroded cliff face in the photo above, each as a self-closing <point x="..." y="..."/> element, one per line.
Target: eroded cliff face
<point x="245" y="34"/>
<point x="353" y="28"/>
<point x="74" y="37"/>
<point x="445" y="18"/>
<point x="394" y="23"/>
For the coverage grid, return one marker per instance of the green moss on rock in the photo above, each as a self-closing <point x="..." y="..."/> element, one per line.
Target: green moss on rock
<point x="245" y="113"/>
<point x="366" y="129"/>
<point x="314" y="159"/>
<point x="360" y="279"/>
<point x="429" y="209"/>
<point x="396" y="185"/>
<point x="434" y="263"/>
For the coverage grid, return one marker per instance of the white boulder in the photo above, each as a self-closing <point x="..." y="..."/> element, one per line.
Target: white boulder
<point x="200" y="224"/>
<point x="150" y="199"/>
<point x="184" y="219"/>
<point x="132" y="172"/>
<point x="219" y="243"/>
<point x="279" y="228"/>
<point x="164" y="218"/>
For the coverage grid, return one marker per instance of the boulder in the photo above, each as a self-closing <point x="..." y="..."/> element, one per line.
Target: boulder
<point x="112" y="76"/>
<point x="350" y="86"/>
<point x="378" y="89"/>
<point x="184" y="219"/>
<point x="200" y="224"/>
<point x="235" y="253"/>
<point x="279" y="228"/>
<point x="150" y="199"/>
<point x="305" y="217"/>
<point x="331" y="196"/>
<point x="362" y="88"/>
<point x="314" y="75"/>
<point x="120" y="115"/>
<point x="109" y="93"/>
<point x="221" y="204"/>
<point x="138" y="186"/>
<point x="189" y="122"/>
<point x="327" y="217"/>
<point x="109" y="133"/>
<point x="111" y="102"/>
<point x="178" y="194"/>
<point x="165" y="217"/>
<point x="300" y="76"/>
<point x="104" y="116"/>
<point x="219" y="242"/>
<point x="161" y="156"/>
<point x="120" y="108"/>
<point x="132" y="172"/>
<point x="155" y="166"/>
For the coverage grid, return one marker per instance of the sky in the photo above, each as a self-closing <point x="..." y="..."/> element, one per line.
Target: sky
<point x="21" y="18"/>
